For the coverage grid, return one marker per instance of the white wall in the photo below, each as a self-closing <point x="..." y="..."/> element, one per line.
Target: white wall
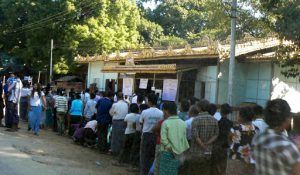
<point x="286" y="88"/>
<point x="208" y="75"/>
<point x="96" y="76"/>
<point x="252" y="82"/>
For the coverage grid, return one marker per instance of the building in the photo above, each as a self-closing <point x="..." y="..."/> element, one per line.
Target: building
<point x="202" y="72"/>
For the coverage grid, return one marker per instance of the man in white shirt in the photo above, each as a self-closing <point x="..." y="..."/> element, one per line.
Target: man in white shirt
<point x="85" y="96"/>
<point x="259" y="122"/>
<point x="118" y="112"/>
<point x="149" y="118"/>
<point x="13" y="101"/>
<point x="90" y="108"/>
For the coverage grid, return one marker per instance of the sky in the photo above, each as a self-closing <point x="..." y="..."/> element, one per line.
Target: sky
<point x="150" y="5"/>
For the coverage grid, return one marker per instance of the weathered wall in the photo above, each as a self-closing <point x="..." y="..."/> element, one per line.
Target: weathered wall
<point x="96" y="76"/>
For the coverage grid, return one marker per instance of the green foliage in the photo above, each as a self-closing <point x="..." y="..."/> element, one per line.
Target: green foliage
<point x="172" y="41"/>
<point x="150" y="32"/>
<point x="283" y="16"/>
<point x="109" y="26"/>
<point x="61" y="67"/>
<point x="77" y="27"/>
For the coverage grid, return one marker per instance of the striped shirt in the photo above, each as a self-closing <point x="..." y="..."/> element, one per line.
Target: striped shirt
<point x="61" y="104"/>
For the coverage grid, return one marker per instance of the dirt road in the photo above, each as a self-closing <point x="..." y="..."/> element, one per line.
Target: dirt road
<point x="22" y="153"/>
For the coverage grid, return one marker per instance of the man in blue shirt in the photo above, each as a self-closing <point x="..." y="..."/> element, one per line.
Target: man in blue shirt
<point x="104" y="119"/>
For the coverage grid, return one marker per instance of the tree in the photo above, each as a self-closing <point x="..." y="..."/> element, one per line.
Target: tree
<point x="283" y="17"/>
<point x="106" y="26"/>
<point x="193" y="20"/>
<point x="77" y="27"/>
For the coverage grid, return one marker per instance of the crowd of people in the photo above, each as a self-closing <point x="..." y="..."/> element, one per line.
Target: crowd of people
<point x="161" y="138"/>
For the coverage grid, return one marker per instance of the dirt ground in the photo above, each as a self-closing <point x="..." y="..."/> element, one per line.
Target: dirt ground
<point x="22" y="153"/>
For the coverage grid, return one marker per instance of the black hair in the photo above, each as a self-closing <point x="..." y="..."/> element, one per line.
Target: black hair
<point x="258" y="110"/>
<point x="134" y="108"/>
<point x="120" y="95"/>
<point x="94" y="117"/>
<point x="246" y="113"/>
<point x="152" y="98"/>
<point x="193" y="100"/>
<point x="109" y="94"/>
<point x="59" y="91"/>
<point x="277" y="112"/>
<point x="143" y="107"/>
<point x="78" y="96"/>
<point x="38" y="89"/>
<point x="193" y="111"/>
<point x="202" y="105"/>
<point x="87" y="90"/>
<point x="92" y="96"/>
<point x="184" y="105"/>
<point x="212" y="109"/>
<point x="226" y="109"/>
<point x="140" y="98"/>
<point x="170" y="107"/>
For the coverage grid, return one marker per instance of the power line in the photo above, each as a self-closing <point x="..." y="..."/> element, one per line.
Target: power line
<point x="45" y="20"/>
<point x="49" y="18"/>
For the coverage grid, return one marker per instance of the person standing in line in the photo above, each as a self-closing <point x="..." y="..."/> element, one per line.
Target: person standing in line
<point x="184" y="109"/>
<point x="205" y="131"/>
<point x="220" y="148"/>
<point x="24" y="101"/>
<point x="258" y="121"/>
<point x="193" y="112"/>
<point x="55" y="94"/>
<point x="149" y="118"/>
<point x="85" y="96"/>
<point x="273" y="151"/>
<point x="13" y="102"/>
<point x="118" y="112"/>
<point x="156" y="130"/>
<point x="104" y="119"/>
<point x="37" y="103"/>
<point x="135" y="150"/>
<point x="2" y="105"/>
<point x="173" y="140"/>
<point x="8" y="108"/>
<point x="240" y="149"/>
<point x="130" y="119"/>
<point x="61" y="104"/>
<point x="50" y="102"/>
<point x="76" y="113"/>
<point x="90" y="108"/>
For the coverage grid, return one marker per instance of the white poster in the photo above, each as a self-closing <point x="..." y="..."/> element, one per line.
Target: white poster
<point x="170" y="89"/>
<point x="143" y="83"/>
<point x="127" y="86"/>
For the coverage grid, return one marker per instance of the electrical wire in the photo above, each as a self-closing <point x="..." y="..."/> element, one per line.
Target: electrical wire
<point x="35" y="25"/>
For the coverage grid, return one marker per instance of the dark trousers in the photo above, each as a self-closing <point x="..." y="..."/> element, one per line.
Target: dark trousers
<point x="24" y="108"/>
<point x="219" y="160"/>
<point x="55" y="127"/>
<point x="126" y="150"/>
<point x="135" y="149"/>
<point x="102" y="136"/>
<point x="117" y="136"/>
<point x="1" y="110"/>
<point x="11" y="117"/>
<point x="147" y="152"/>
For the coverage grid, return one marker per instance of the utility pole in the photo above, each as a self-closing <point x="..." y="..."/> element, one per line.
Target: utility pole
<point x="232" y="51"/>
<point x="51" y="59"/>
